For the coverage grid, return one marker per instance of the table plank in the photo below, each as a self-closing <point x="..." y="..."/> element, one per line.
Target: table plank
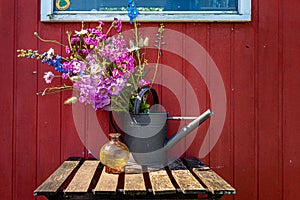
<point x="134" y="180"/>
<point x="83" y="177"/>
<point x="214" y="183"/>
<point x="57" y="178"/>
<point x="160" y="181"/>
<point x="107" y="183"/>
<point x="186" y="181"/>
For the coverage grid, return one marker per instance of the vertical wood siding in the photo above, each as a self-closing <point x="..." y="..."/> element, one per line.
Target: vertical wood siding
<point x="258" y="151"/>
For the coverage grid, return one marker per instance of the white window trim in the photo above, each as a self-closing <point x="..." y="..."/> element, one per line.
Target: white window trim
<point x="243" y="14"/>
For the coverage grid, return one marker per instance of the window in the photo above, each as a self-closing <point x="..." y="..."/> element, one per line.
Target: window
<point x="153" y="10"/>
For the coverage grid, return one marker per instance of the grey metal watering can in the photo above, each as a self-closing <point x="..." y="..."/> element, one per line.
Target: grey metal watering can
<point x="145" y="134"/>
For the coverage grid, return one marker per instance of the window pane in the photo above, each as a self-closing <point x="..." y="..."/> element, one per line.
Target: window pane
<point x="146" y="5"/>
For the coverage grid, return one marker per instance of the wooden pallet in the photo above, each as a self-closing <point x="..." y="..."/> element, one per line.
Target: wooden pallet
<point x="188" y="178"/>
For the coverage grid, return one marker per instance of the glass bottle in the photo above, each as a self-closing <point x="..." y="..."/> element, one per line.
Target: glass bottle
<point x="114" y="154"/>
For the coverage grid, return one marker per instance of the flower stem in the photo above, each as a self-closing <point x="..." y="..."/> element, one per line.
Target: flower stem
<point x="43" y="40"/>
<point x="160" y="36"/>
<point x="53" y="90"/>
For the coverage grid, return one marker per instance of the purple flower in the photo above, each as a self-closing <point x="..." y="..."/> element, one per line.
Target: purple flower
<point x="116" y="72"/>
<point x="118" y="25"/>
<point x="77" y="66"/>
<point x="68" y="51"/>
<point x="144" y="83"/>
<point x="65" y="75"/>
<point x="101" y="23"/>
<point x="75" y="39"/>
<point x="48" y="77"/>
<point x="91" y="41"/>
<point x="114" y="89"/>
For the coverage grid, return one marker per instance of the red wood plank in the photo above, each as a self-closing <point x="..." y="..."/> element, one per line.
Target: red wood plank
<point x="71" y="144"/>
<point x="25" y="85"/>
<point x="269" y="103"/>
<point x="49" y="109"/>
<point x="198" y="32"/>
<point x="172" y="93"/>
<point x="7" y="97"/>
<point x="243" y="111"/>
<point x="220" y="43"/>
<point x="291" y="109"/>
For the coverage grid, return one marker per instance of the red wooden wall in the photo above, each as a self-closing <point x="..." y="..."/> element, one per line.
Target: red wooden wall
<point x="258" y="151"/>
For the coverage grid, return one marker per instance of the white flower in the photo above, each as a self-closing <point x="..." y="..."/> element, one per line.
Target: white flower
<point x="95" y="69"/>
<point x="82" y="32"/>
<point x="50" y="53"/>
<point x="71" y="100"/>
<point x="146" y="42"/>
<point x="48" y="77"/>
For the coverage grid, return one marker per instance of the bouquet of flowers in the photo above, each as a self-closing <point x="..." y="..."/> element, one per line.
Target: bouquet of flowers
<point x="105" y="71"/>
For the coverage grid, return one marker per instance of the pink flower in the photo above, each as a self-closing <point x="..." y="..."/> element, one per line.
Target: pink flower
<point x="48" y="77"/>
<point x="101" y="23"/>
<point x="68" y="51"/>
<point x="118" y="25"/>
<point x="65" y="76"/>
<point x="144" y="83"/>
<point x="116" y="72"/>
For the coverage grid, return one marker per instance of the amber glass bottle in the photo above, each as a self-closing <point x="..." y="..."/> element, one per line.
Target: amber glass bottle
<point x="114" y="154"/>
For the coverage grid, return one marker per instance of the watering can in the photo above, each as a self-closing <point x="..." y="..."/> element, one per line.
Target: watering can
<point x="145" y="134"/>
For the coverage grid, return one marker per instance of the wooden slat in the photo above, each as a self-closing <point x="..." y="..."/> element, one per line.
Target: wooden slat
<point x="134" y="181"/>
<point x="83" y="177"/>
<point x="214" y="182"/>
<point x="107" y="183"/>
<point x="160" y="181"/>
<point x="56" y="179"/>
<point x="184" y="178"/>
<point x="211" y="179"/>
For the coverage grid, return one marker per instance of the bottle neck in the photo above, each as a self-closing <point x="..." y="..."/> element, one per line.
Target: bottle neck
<point x="114" y="137"/>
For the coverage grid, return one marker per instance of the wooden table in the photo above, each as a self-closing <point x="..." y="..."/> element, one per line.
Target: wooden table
<point x="186" y="178"/>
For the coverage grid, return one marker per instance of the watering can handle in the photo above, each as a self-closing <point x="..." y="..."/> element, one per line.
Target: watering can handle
<point x="138" y="99"/>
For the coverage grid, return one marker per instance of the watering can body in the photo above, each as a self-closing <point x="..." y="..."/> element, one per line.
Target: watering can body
<point x="145" y="134"/>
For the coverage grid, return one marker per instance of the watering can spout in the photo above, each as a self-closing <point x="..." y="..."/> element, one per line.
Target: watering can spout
<point x="187" y="129"/>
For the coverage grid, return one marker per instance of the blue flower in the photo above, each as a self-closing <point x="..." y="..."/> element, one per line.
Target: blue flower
<point x="55" y="63"/>
<point x="132" y="10"/>
<point x="60" y="69"/>
<point x="44" y="55"/>
<point x="58" y="58"/>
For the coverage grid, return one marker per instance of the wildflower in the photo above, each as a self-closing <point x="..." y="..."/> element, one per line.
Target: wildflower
<point x="146" y="42"/>
<point x="132" y="10"/>
<point x="102" y="69"/>
<point x="118" y="25"/>
<point x="144" y="83"/>
<point x="71" y="100"/>
<point x="50" y="53"/>
<point x="101" y="23"/>
<point x="114" y="89"/>
<point x="94" y="69"/>
<point x="82" y="32"/>
<point x="65" y="75"/>
<point x="48" y="77"/>
<point x="68" y="51"/>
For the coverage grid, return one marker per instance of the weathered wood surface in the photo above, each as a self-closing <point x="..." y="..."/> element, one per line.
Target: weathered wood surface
<point x="211" y="179"/>
<point x="57" y="178"/>
<point x="134" y="180"/>
<point x="160" y="181"/>
<point x="180" y="179"/>
<point x="83" y="178"/>
<point x="185" y="180"/>
<point x="107" y="183"/>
